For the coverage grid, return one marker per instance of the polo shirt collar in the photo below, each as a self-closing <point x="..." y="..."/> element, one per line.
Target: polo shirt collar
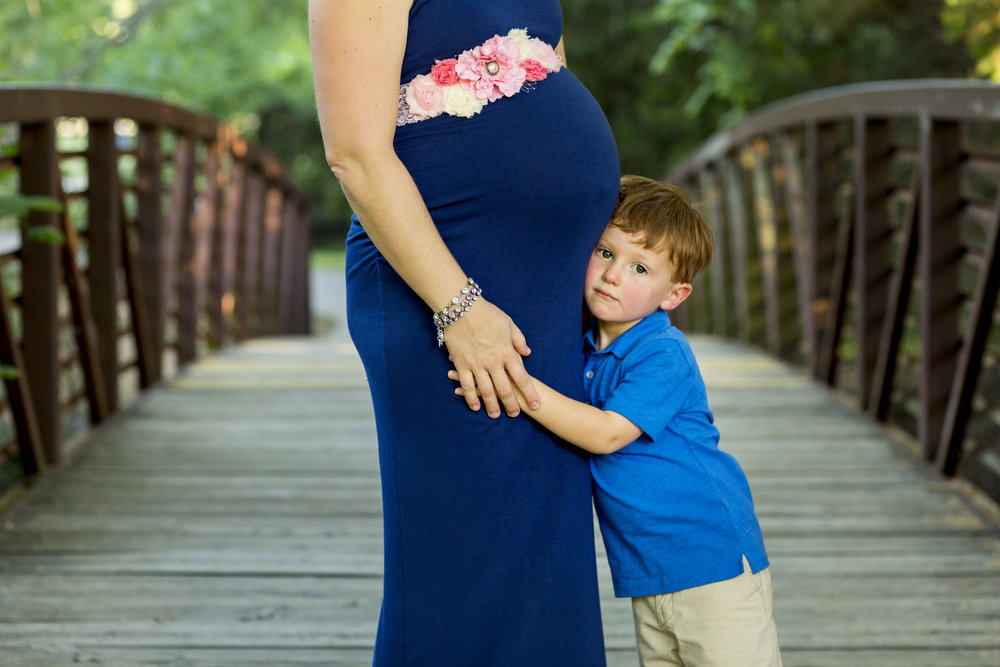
<point x="621" y="346"/>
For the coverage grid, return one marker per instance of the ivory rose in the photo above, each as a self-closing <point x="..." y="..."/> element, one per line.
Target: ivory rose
<point x="520" y="38"/>
<point x="459" y="101"/>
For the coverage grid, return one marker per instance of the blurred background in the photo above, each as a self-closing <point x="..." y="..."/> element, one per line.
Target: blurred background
<point x="668" y="73"/>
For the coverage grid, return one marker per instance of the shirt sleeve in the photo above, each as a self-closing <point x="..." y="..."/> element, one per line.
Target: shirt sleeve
<point x="655" y="383"/>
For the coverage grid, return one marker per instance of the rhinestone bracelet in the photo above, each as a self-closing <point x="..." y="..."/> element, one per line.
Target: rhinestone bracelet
<point x="458" y="307"/>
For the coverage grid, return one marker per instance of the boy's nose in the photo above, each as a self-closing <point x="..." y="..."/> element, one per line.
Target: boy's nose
<point x="611" y="273"/>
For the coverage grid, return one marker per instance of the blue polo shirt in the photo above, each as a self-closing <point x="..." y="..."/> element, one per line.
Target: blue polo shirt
<point x="675" y="510"/>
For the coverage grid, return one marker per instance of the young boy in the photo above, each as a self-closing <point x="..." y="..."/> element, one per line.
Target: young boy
<point x="675" y="511"/>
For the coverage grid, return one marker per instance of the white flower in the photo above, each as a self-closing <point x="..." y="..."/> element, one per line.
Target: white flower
<point x="521" y="40"/>
<point x="459" y="101"/>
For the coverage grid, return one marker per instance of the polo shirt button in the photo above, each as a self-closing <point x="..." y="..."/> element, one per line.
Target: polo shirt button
<point x="590" y="375"/>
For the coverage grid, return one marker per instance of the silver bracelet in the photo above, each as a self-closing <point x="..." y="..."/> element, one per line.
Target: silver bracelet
<point x="458" y="307"/>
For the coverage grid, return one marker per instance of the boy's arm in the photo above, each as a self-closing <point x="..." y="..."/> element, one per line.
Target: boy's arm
<point x="595" y="430"/>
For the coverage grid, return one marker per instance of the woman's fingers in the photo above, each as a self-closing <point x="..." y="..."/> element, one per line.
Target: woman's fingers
<point x="484" y="383"/>
<point x="468" y="382"/>
<point x="459" y="390"/>
<point x="505" y="391"/>
<point x="487" y="349"/>
<point x="492" y="387"/>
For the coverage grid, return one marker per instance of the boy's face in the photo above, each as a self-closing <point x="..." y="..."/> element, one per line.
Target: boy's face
<point x="626" y="282"/>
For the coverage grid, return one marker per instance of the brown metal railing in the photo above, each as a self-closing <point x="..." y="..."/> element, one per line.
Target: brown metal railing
<point x="179" y="237"/>
<point x="858" y="231"/>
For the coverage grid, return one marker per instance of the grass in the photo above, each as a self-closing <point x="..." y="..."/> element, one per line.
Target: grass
<point x="328" y="259"/>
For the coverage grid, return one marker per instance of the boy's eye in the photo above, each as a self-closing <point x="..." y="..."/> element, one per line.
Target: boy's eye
<point x="605" y="253"/>
<point x="639" y="268"/>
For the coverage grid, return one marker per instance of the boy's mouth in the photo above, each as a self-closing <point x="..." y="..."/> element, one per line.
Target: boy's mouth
<point x="604" y="295"/>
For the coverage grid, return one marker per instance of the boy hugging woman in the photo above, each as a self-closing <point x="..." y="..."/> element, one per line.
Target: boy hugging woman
<point x="675" y="511"/>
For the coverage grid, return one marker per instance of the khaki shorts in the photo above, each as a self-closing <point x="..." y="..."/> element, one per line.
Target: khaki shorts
<point x="725" y="624"/>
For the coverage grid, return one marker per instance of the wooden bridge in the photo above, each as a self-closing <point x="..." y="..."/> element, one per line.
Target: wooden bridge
<point x="200" y="475"/>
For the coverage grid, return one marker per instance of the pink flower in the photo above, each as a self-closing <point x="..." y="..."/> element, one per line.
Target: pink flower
<point x="424" y="97"/>
<point x="462" y="85"/>
<point x="491" y="71"/>
<point x="444" y="72"/>
<point x="544" y="54"/>
<point x="497" y="48"/>
<point x="533" y="70"/>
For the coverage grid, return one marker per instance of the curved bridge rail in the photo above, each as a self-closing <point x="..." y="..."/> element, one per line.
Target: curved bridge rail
<point x="174" y="236"/>
<point x="858" y="232"/>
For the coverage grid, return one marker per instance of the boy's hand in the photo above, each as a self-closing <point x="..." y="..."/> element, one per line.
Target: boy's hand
<point x="590" y="428"/>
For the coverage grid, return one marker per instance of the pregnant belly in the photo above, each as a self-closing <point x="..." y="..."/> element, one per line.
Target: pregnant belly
<point x="543" y="161"/>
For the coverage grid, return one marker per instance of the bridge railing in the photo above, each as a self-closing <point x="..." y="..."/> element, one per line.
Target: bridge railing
<point x="858" y="237"/>
<point x="172" y="236"/>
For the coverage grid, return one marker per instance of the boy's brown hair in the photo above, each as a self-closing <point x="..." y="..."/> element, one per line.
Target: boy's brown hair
<point x="666" y="219"/>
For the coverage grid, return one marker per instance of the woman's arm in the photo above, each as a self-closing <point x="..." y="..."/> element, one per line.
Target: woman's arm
<point x="357" y="50"/>
<point x="595" y="430"/>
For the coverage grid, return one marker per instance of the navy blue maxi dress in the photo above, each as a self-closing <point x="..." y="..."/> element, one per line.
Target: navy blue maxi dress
<point x="489" y="544"/>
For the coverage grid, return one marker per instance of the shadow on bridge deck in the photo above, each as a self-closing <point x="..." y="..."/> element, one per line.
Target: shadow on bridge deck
<point x="233" y="517"/>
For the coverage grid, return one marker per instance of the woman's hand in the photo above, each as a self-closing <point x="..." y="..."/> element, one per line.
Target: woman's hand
<point x="487" y="349"/>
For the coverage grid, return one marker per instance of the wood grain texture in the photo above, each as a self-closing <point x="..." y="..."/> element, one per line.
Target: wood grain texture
<point x="232" y="517"/>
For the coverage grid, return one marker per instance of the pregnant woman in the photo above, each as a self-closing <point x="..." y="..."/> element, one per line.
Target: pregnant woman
<point x="481" y="173"/>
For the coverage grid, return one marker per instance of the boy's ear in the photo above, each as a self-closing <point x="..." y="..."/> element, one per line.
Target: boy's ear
<point x="678" y="294"/>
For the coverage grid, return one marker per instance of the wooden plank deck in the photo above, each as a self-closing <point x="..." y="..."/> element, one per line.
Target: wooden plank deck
<point x="232" y="518"/>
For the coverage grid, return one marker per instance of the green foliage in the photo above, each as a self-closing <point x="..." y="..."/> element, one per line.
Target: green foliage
<point x="15" y="206"/>
<point x="977" y="23"/>
<point x="609" y="46"/>
<point x="246" y="63"/>
<point x="9" y="372"/>
<point x="45" y="234"/>
<point x="752" y="52"/>
<point x="19" y="205"/>
<point x="668" y="73"/>
<point x="671" y="72"/>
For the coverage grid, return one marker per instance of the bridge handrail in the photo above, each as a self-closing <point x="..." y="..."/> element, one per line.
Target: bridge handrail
<point x="177" y="237"/>
<point x="858" y="236"/>
<point x="943" y="99"/>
